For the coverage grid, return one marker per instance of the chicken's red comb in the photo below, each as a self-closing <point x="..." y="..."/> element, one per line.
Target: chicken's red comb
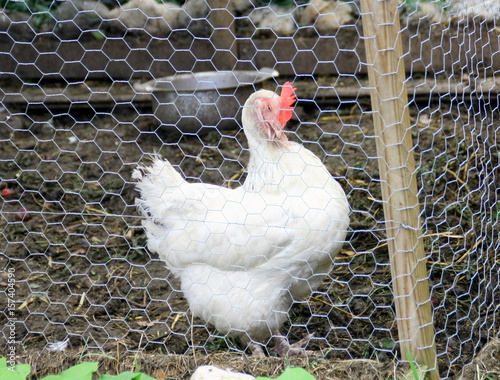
<point x="288" y="99"/>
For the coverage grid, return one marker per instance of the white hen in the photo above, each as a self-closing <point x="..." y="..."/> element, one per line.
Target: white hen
<point x="243" y="255"/>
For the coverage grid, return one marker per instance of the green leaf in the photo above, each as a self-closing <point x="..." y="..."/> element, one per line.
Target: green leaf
<point x="292" y="374"/>
<point x="388" y="343"/>
<point x="17" y="372"/>
<point x="127" y="376"/>
<point x="98" y="35"/>
<point x="81" y="371"/>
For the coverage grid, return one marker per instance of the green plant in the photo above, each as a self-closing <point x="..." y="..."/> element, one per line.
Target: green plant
<point x="17" y="372"/>
<point x="416" y="372"/>
<point x="488" y="377"/>
<point x="40" y="9"/>
<point x="27" y="6"/>
<point x="292" y="374"/>
<point x="82" y="371"/>
<point x="415" y="4"/>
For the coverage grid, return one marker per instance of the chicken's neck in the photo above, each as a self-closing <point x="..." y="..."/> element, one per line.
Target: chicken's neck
<point x="268" y="167"/>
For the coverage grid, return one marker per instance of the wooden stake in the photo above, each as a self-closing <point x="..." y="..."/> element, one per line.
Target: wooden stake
<point x="399" y="188"/>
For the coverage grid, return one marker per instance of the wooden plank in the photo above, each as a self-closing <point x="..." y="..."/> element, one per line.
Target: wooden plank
<point x="107" y="94"/>
<point x="467" y="46"/>
<point x="223" y="36"/>
<point x="111" y="58"/>
<point x="391" y="119"/>
<point x="330" y="55"/>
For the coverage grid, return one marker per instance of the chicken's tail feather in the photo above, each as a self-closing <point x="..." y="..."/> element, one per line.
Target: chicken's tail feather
<point x="160" y="172"/>
<point x="154" y="182"/>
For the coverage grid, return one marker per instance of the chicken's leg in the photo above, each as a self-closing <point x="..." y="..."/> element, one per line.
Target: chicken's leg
<point x="283" y="348"/>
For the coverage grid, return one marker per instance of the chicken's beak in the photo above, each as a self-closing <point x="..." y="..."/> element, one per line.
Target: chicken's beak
<point x="270" y="127"/>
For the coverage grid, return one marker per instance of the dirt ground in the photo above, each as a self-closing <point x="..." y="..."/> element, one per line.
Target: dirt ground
<point x="83" y="273"/>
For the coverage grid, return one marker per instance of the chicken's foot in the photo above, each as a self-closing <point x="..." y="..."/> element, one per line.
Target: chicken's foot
<point x="257" y="350"/>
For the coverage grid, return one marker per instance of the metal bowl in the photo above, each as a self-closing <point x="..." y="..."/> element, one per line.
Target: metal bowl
<point x="193" y="102"/>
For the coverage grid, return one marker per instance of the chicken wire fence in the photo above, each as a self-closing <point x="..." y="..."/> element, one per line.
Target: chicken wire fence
<point x="76" y="274"/>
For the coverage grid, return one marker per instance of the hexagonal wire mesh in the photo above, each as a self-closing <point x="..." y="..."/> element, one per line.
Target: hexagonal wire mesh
<point x="74" y="259"/>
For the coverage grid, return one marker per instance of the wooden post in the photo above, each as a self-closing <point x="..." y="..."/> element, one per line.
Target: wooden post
<point x="399" y="188"/>
<point x="223" y="35"/>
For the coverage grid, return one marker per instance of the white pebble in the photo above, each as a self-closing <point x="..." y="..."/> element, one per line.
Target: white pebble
<point x="208" y="372"/>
